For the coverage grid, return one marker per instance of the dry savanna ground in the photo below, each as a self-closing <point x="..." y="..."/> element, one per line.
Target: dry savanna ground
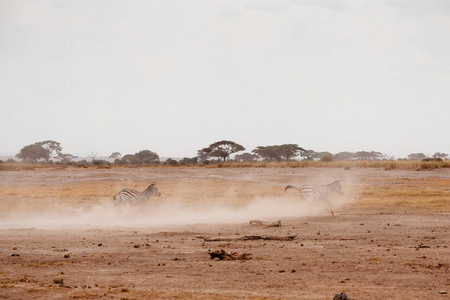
<point x="61" y="237"/>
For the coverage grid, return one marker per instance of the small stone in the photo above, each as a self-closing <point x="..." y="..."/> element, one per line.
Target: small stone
<point x="100" y="244"/>
<point x="443" y="292"/>
<point x="340" y="296"/>
<point x="58" y="280"/>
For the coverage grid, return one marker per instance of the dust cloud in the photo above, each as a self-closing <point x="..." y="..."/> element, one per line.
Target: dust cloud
<point x="172" y="212"/>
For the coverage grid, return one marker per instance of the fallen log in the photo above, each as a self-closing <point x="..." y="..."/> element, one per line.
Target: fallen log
<point x="247" y="238"/>
<point x="223" y="255"/>
<point x="267" y="224"/>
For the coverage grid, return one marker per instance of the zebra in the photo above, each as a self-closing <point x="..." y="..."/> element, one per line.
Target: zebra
<point x="136" y="198"/>
<point x="319" y="192"/>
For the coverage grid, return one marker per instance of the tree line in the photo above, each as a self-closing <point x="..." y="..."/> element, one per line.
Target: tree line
<point x="51" y="152"/>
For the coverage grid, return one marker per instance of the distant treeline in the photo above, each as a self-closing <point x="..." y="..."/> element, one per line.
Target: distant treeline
<point x="50" y="152"/>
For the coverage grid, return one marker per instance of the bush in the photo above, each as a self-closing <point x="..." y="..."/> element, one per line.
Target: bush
<point x="432" y="159"/>
<point x="100" y="162"/>
<point x="171" y="162"/>
<point x="327" y="158"/>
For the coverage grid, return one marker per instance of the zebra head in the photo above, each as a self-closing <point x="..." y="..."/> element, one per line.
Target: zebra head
<point x="154" y="189"/>
<point x="336" y="186"/>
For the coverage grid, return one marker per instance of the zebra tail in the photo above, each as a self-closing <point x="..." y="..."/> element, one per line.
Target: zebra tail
<point x="290" y="187"/>
<point x="114" y="197"/>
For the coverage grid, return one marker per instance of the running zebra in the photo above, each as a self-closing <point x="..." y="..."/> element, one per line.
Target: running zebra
<point x="136" y="198"/>
<point x="319" y="192"/>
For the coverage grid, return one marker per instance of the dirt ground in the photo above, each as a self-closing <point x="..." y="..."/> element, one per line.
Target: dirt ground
<point x="61" y="237"/>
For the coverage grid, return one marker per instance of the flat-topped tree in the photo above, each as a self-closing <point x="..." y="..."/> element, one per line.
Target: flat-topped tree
<point x="115" y="155"/>
<point x="32" y="153"/>
<point x="279" y="152"/>
<point x="53" y="149"/>
<point x="222" y="149"/>
<point x="40" y="151"/>
<point x="416" y="156"/>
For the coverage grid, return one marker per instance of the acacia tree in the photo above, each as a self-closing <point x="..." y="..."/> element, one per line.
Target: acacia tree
<point x="344" y="156"/>
<point x="365" y="155"/>
<point x="53" y="149"/>
<point x="288" y="151"/>
<point x="311" y="154"/>
<point x="41" y="150"/>
<point x="246" y="157"/>
<point x="115" y="155"/>
<point x="144" y="157"/>
<point x="440" y="155"/>
<point x="32" y="153"/>
<point x="222" y="149"/>
<point x="416" y="156"/>
<point x="147" y="157"/>
<point x="279" y="152"/>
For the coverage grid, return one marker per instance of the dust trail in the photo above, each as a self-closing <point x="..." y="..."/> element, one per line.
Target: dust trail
<point x="106" y="215"/>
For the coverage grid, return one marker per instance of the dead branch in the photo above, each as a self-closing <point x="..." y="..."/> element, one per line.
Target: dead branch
<point x="267" y="224"/>
<point x="247" y="238"/>
<point x="223" y="255"/>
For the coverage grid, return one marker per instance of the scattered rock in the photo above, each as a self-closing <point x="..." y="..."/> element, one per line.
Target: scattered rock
<point x="100" y="244"/>
<point x="58" y="280"/>
<point x="340" y="296"/>
<point x="28" y="279"/>
<point x="223" y="255"/>
<point x="266" y="224"/>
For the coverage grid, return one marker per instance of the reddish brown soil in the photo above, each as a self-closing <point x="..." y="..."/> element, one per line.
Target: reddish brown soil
<point x="366" y="251"/>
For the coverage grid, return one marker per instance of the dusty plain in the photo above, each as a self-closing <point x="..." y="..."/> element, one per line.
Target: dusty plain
<point x="61" y="237"/>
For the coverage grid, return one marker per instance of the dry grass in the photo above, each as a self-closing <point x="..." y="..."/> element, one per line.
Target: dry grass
<point x="406" y="193"/>
<point x="383" y="164"/>
<point x="386" y="193"/>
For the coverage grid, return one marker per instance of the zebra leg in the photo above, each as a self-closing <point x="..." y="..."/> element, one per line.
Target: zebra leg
<point x="329" y="205"/>
<point x="332" y="213"/>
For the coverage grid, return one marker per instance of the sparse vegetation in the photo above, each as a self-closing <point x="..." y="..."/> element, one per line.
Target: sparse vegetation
<point x="191" y="163"/>
<point x="217" y="155"/>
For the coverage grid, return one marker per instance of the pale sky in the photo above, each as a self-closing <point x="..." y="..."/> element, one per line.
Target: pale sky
<point x="175" y="76"/>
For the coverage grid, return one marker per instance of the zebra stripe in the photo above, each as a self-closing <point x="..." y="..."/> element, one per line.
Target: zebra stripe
<point x="319" y="192"/>
<point x="134" y="197"/>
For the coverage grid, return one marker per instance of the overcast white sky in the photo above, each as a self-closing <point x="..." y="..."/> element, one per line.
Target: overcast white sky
<point x="176" y="76"/>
